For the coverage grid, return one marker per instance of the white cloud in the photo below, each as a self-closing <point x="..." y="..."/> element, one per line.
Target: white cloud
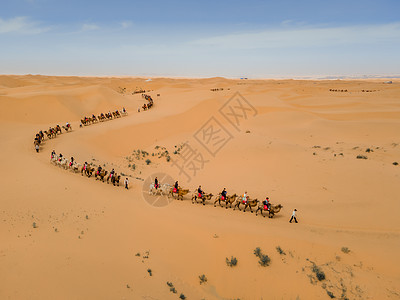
<point x="20" y="25"/>
<point x="89" y="27"/>
<point x="126" y="24"/>
<point x="305" y="37"/>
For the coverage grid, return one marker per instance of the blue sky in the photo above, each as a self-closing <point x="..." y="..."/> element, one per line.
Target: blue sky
<point x="200" y="38"/>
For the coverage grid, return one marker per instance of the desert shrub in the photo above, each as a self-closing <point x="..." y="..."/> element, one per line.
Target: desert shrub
<point x="395" y="163"/>
<point x="203" y="279"/>
<point x="369" y="150"/>
<point x="345" y="250"/>
<point x="231" y="262"/>
<point x="148" y="161"/>
<point x="182" y="296"/>
<point x="257" y="252"/>
<point x="137" y="254"/>
<point x="280" y="251"/>
<point x="150" y="272"/>
<point x="319" y="273"/>
<point x="361" y="157"/>
<point x="264" y="260"/>
<point x="330" y="294"/>
<point x="34" y="225"/>
<point x="168" y="158"/>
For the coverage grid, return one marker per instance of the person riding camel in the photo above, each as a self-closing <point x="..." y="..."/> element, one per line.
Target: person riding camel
<point x="85" y="166"/>
<point x="124" y="110"/>
<point x="176" y="186"/>
<point x="67" y="125"/>
<point x="266" y="204"/>
<point x="156" y="183"/>
<point x="99" y="170"/>
<point x="112" y="173"/>
<point x="245" y="197"/>
<point x="223" y="195"/>
<point x="60" y="157"/>
<point x="200" y="192"/>
<point x="71" y="162"/>
<point x="53" y="154"/>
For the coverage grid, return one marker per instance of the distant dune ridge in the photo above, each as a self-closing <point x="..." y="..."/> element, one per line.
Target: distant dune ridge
<point x="66" y="236"/>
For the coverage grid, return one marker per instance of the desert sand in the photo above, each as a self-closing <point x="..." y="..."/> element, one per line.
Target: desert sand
<point x="297" y="144"/>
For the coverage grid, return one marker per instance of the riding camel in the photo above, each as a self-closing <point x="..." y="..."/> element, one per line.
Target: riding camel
<point x="179" y="194"/>
<point x="274" y="209"/>
<point x="115" y="179"/>
<point x="247" y="203"/>
<point x="88" y="171"/>
<point x="58" y="129"/>
<point x="202" y="199"/>
<point x="67" y="128"/>
<point x="229" y="200"/>
<point x="101" y="174"/>
<point x="162" y="190"/>
<point x="75" y="167"/>
<point x="50" y="134"/>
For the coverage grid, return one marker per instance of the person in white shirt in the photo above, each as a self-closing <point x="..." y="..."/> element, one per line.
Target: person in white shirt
<point x="293" y="217"/>
<point x="126" y="182"/>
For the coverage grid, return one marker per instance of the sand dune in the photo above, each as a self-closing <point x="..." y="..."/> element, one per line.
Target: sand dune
<point x="299" y="147"/>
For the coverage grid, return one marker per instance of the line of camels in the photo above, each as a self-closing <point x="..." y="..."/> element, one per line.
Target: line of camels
<point x="231" y="200"/>
<point x="149" y="104"/>
<point x="103" y="117"/>
<point x="51" y="133"/>
<point x="86" y="169"/>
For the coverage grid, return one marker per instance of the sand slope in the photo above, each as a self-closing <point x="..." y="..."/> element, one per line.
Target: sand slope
<point x="298" y="147"/>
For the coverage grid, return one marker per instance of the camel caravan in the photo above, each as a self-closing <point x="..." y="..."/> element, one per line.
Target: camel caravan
<point x="222" y="199"/>
<point x="149" y="103"/>
<point x="50" y="133"/>
<point x="86" y="169"/>
<point x="103" y="117"/>
<point x="341" y="91"/>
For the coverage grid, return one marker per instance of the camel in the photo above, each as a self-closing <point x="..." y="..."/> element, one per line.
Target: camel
<point x="75" y="167"/>
<point x="162" y="190"/>
<point x="88" y="171"/>
<point x="115" y="179"/>
<point x="67" y="128"/>
<point x="58" y="129"/>
<point x="49" y="134"/>
<point x="202" y="199"/>
<point x="54" y="159"/>
<point x="101" y="174"/>
<point x="249" y="203"/>
<point x="63" y="162"/>
<point x="229" y="200"/>
<point x="180" y="193"/>
<point x="274" y="209"/>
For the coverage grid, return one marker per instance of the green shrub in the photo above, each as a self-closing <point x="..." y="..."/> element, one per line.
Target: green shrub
<point x="231" y="262"/>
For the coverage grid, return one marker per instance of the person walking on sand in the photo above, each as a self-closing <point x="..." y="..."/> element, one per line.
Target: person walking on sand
<point x="37" y="148"/>
<point x="126" y="182"/>
<point x="293" y="217"/>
